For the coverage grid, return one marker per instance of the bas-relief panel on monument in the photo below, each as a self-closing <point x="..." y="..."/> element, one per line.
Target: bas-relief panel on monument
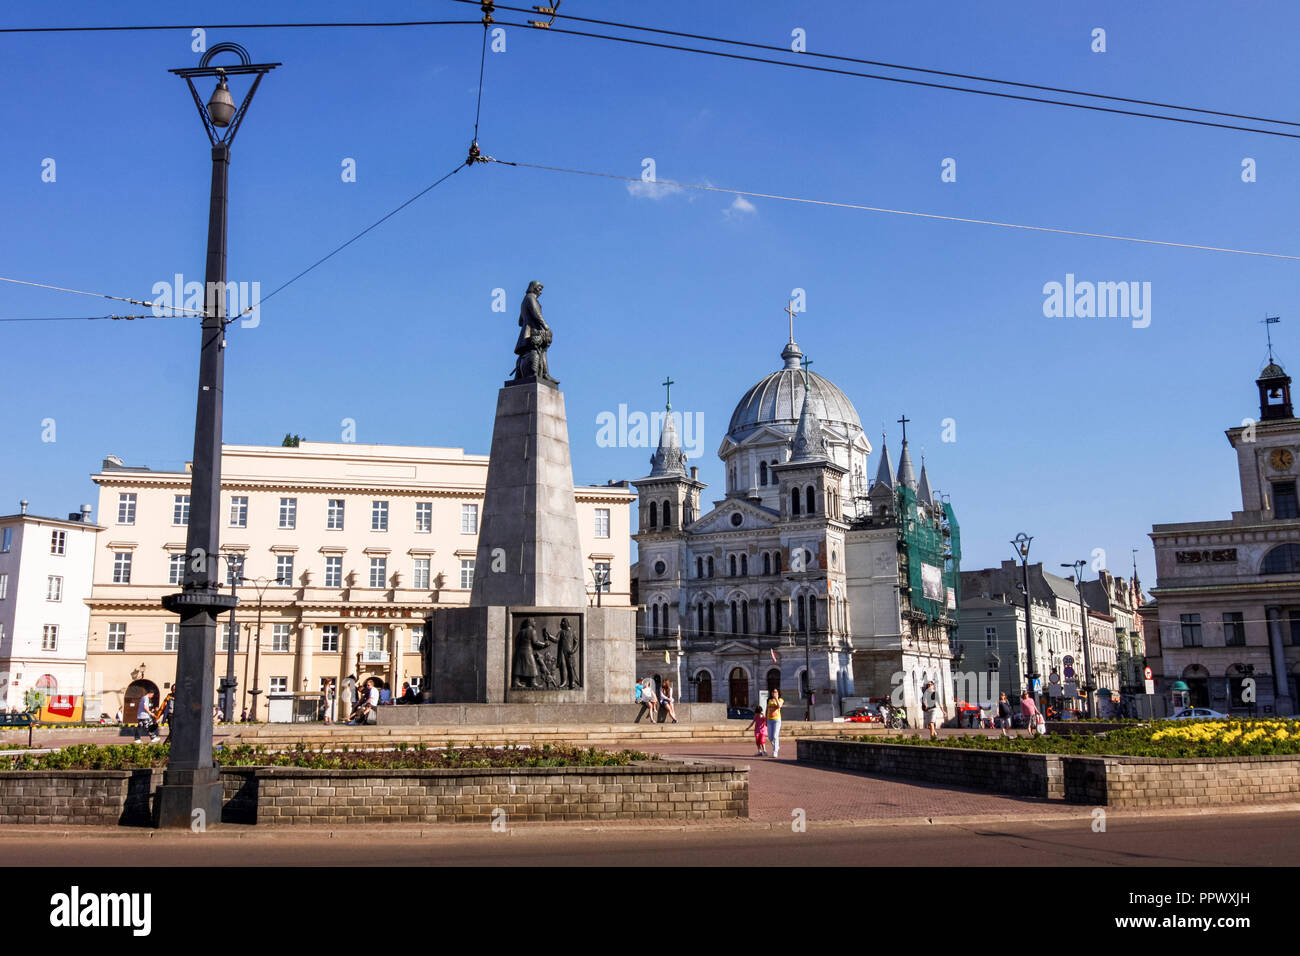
<point x="545" y="651"/>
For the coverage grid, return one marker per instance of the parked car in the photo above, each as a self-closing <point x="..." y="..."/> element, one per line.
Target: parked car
<point x="1198" y="713"/>
<point x="862" y="715"/>
<point x="740" y="713"/>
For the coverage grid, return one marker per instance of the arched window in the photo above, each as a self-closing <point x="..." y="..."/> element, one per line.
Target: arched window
<point x="704" y="687"/>
<point x="734" y="628"/>
<point x="762" y="473"/>
<point x="767" y="616"/>
<point x="812" y="501"/>
<point x="799" y="604"/>
<point x="803" y="684"/>
<point x="773" y="680"/>
<point x="744" y="565"/>
<point x="794" y="501"/>
<point x="699" y="567"/>
<point x="663" y="619"/>
<point x="812" y="613"/>
<point x="744" y="617"/>
<point x="731" y="563"/>
<point x="780" y="614"/>
<point x="776" y="563"/>
<point x="1284" y="559"/>
<point x="668" y="511"/>
<point x="654" y="619"/>
<point x="654" y="515"/>
<point x="767" y="563"/>
<point x="710" y="565"/>
<point x="712" y="630"/>
<point x="699" y="619"/>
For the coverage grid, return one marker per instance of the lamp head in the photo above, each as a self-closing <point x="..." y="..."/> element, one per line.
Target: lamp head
<point x="221" y="107"/>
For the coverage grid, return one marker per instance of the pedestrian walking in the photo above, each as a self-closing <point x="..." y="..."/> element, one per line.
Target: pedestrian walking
<point x="144" y="719"/>
<point x="1033" y="718"/>
<point x="934" y="712"/>
<point x="329" y="700"/>
<point x="1004" y="714"/>
<point x="666" y="699"/>
<point x="759" y="723"/>
<point x="774" y="702"/>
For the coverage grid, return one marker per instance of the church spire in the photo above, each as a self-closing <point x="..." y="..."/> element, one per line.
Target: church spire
<point x="906" y="474"/>
<point x="923" y="492"/>
<point x="668" y="461"/>
<point x="885" y="474"/>
<point x="809" y="443"/>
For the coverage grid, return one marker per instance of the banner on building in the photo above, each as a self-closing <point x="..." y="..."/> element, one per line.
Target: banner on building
<point x="932" y="582"/>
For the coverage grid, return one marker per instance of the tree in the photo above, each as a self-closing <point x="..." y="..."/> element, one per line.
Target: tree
<point x="290" y="441"/>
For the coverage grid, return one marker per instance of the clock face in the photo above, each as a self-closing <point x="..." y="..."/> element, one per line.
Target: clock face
<point x="1281" y="459"/>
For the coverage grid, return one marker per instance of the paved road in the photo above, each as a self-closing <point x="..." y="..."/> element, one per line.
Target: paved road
<point x="1271" y="839"/>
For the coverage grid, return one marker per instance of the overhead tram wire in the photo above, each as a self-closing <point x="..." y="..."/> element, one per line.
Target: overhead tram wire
<point x="898" y="212"/>
<point x="899" y="66"/>
<point x="99" y="295"/>
<point x="187" y="27"/>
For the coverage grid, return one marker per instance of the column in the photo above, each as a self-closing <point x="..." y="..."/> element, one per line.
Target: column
<point x="1282" y="703"/>
<point x="306" y="639"/>
<point x="349" y="665"/>
<point x="397" y="634"/>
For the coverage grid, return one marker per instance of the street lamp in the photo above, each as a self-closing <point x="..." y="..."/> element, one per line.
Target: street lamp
<point x="601" y="577"/>
<point x="1078" y="567"/>
<point x="227" y="684"/>
<point x="1021" y="543"/>
<point x="259" y="585"/>
<point x="191" y="787"/>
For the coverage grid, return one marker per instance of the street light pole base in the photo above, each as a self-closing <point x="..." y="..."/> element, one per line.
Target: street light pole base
<point x="189" y="800"/>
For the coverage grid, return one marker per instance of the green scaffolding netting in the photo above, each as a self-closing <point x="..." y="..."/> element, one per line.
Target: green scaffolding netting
<point x="932" y="544"/>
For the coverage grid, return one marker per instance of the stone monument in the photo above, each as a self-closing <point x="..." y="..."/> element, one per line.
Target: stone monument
<point x="528" y="636"/>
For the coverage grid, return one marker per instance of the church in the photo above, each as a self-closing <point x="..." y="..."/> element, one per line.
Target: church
<point x="804" y="576"/>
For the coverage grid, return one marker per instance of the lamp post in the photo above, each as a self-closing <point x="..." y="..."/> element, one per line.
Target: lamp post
<point x="191" y="788"/>
<point x="1021" y="543"/>
<point x="601" y="577"/>
<point x="227" y="684"/>
<point x="1078" y="567"/>
<point x="259" y="585"/>
<point x="807" y="653"/>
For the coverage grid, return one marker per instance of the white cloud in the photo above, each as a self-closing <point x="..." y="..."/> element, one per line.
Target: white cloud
<point x="642" y="189"/>
<point x="740" y="207"/>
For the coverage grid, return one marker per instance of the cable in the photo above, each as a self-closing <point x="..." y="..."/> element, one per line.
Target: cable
<point x="899" y="66"/>
<point x="339" y="249"/>
<point x="187" y="27"/>
<point x="482" y="62"/>
<point x="898" y="212"/>
<point x="91" y="318"/>
<point x="99" y="295"/>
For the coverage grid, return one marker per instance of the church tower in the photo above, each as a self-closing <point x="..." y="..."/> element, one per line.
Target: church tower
<point x="810" y="483"/>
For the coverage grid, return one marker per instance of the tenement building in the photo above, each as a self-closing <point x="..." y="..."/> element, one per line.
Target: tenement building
<point x="802" y="576"/>
<point x="45" y="573"/>
<point x="1228" y="592"/>
<point x="339" y="550"/>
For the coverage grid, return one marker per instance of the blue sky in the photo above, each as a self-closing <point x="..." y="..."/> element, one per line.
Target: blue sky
<point x="1080" y="431"/>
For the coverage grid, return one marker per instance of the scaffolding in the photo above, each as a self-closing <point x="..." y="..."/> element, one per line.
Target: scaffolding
<point x="930" y="540"/>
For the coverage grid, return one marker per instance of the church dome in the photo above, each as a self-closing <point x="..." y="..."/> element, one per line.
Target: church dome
<point x="777" y="400"/>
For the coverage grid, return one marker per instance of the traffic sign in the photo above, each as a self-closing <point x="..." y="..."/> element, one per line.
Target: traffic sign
<point x="1069" y="671"/>
<point x="1151" y="685"/>
<point x="1146" y="673"/>
<point x="1067" y="660"/>
<point x="1053" y="678"/>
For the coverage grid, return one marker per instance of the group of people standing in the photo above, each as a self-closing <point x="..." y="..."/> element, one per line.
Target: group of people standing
<point x="767" y="724"/>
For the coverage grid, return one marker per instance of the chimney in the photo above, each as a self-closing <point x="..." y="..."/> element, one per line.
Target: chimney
<point x="695" y="472"/>
<point x="85" y="513"/>
<point x="23" y="506"/>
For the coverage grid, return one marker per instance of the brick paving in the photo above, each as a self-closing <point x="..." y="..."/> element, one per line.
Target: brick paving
<point x="778" y="786"/>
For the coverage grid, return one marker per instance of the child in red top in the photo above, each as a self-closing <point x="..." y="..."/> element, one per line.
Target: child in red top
<point x="759" y="723"/>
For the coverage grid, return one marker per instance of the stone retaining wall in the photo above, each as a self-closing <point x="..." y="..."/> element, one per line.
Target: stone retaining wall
<point x="674" y="790"/>
<point x="1025" y="775"/>
<point x="1089" y="780"/>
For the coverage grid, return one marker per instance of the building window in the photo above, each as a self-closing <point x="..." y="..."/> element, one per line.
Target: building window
<point x="378" y="572"/>
<point x="8" y="540"/>
<point x="466" y="574"/>
<point x="280" y="637"/>
<point x="731" y="565"/>
<point x="126" y="509"/>
<point x="374" y="637"/>
<point x="602" y="522"/>
<point x="329" y="639"/>
<point x="50" y="637"/>
<point x="990" y="635"/>
<point x="279" y="685"/>
<point x="284" y="568"/>
<point x="176" y="569"/>
<point x="1285" y="504"/>
<point x="780" y="615"/>
<point x="288" y="512"/>
<point x="181" y="510"/>
<point x="424" y="516"/>
<point x="744" y="565"/>
<point x="1191" y="627"/>
<point x="54" y="588"/>
<point x="1284" y="559"/>
<point x="417" y="638"/>
<point x="421" y="582"/>
<point x="239" y="511"/>
<point x="334" y="520"/>
<point x="117" y="636"/>
<point x="602" y="576"/>
<point x="379" y="516"/>
<point x="762" y="473"/>
<point x="654" y="514"/>
<point x="171" y="636"/>
<point x="469" y="519"/>
<point x="812" y="503"/>
<point x="4" y="586"/>
<point x="710" y="574"/>
<point x="122" y="567"/>
<point x="744" y="617"/>
<point x="699" y="567"/>
<point x="229" y="635"/>
<point x="234" y="569"/>
<point x="767" y="563"/>
<point x="334" y="571"/>
<point x="794" y="501"/>
<point x="58" y="542"/>
<point x="767" y="616"/>
<point x="1234" y="629"/>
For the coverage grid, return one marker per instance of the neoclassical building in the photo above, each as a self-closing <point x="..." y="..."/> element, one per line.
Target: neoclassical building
<point x="365" y="540"/>
<point x="802" y="568"/>
<point x="1227" y="608"/>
